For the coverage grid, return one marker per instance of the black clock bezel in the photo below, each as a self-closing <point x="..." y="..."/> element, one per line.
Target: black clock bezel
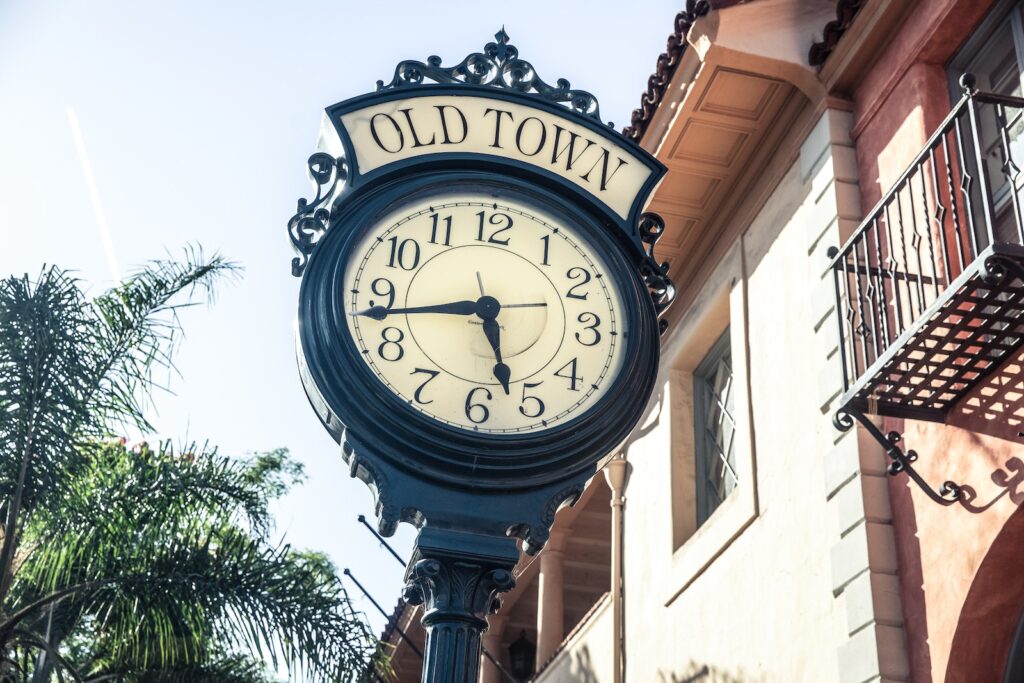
<point x="348" y="395"/>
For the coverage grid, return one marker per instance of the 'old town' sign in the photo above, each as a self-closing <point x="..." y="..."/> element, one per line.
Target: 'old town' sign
<point x="478" y="316"/>
<point x="396" y="130"/>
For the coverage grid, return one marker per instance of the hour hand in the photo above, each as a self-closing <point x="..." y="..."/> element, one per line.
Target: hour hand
<point x="453" y="308"/>
<point x="501" y="371"/>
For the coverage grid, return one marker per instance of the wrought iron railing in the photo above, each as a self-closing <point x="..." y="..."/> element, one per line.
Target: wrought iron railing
<point x="908" y="346"/>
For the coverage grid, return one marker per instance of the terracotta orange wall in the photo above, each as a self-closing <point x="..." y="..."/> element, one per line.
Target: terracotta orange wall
<point x="905" y="95"/>
<point x="954" y="567"/>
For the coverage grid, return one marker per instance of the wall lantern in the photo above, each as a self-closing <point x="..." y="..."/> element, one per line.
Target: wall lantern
<point x="521" y="656"/>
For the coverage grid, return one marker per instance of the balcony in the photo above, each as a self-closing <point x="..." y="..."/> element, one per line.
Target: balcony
<point x="930" y="287"/>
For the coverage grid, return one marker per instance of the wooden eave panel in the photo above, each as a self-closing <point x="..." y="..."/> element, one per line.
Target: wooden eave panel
<point x="723" y="123"/>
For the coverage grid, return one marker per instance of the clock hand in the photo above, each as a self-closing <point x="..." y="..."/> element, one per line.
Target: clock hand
<point x="454" y="308"/>
<point x="501" y="371"/>
<point x="523" y="305"/>
<point x="487" y="310"/>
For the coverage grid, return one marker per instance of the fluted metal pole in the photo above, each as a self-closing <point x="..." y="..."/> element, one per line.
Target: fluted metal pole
<point x="457" y="577"/>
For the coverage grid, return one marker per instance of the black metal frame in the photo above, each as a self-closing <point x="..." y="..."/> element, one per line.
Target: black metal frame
<point x="389" y="444"/>
<point x="930" y="287"/>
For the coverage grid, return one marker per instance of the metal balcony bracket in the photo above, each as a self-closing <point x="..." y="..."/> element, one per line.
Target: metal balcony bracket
<point x="999" y="269"/>
<point x="902" y="461"/>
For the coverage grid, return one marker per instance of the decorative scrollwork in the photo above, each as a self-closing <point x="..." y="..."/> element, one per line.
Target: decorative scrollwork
<point x="388" y="515"/>
<point x="948" y="494"/>
<point x="498" y="66"/>
<point x="997" y="268"/>
<point x="312" y="216"/>
<point x="663" y="291"/>
<point x="842" y="420"/>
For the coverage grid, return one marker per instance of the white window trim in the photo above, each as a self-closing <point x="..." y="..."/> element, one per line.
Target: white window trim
<point x="721" y="303"/>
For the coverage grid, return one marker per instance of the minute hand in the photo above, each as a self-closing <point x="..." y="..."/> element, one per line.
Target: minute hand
<point x="453" y="308"/>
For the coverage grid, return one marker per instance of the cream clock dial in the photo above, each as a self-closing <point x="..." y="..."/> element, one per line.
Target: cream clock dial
<point x="491" y="316"/>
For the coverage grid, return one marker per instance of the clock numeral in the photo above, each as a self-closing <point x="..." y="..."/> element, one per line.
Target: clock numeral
<point x="402" y="255"/>
<point x="573" y="378"/>
<point x="538" y="404"/>
<point x="546" y="239"/>
<point x="477" y="409"/>
<point x="384" y="349"/>
<point x="576" y="273"/>
<point x="419" y="390"/>
<point x="495" y="219"/>
<point x="389" y="290"/>
<point x="594" y="321"/>
<point x="434" y="218"/>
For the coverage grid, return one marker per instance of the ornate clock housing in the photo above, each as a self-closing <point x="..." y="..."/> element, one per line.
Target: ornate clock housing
<point x="478" y="316"/>
<point x="489" y="334"/>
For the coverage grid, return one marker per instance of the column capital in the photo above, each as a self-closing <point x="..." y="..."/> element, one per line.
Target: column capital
<point x="457" y="575"/>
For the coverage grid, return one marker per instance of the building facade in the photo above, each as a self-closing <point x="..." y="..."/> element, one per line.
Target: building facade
<point x="844" y="224"/>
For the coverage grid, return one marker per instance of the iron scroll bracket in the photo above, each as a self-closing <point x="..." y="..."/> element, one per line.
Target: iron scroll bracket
<point x="312" y="216"/>
<point x="654" y="273"/>
<point x="902" y="460"/>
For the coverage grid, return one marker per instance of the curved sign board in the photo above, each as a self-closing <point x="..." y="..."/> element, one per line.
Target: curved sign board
<point x="376" y="135"/>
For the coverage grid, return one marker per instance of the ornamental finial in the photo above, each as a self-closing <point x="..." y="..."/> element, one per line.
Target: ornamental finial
<point x="498" y="66"/>
<point x="502" y="51"/>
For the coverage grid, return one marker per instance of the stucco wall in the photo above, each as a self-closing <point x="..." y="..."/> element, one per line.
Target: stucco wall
<point x="762" y="606"/>
<point x="586" y="656"/>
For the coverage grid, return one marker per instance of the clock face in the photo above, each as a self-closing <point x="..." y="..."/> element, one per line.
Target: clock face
<point x="487" y="315"/>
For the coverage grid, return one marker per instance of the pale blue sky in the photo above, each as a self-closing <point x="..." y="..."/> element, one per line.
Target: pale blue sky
<point x="198" y="118"/>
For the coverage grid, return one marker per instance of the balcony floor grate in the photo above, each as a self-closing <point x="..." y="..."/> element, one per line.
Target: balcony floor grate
<point x="976" y="324"/>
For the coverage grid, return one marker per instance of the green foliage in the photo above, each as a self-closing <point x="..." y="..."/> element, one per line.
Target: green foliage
<point x="142" y="563"/>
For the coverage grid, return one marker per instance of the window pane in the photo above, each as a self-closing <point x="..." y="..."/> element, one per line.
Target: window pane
<point x="996" y="64"/>
<point x="715" y="428"/>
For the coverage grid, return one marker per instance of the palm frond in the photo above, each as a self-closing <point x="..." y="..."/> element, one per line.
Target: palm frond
<point x="108" y="483"/>
<point x="45" y="360"/>
<point x="140" y="330"/>
<point x="156" y="597"/>
<point x="147" y="564"/>
<point x="228" y="669"/>
<point x="71" y="369"/>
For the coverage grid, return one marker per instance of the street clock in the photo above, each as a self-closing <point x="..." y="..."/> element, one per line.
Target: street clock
<point x="478" y="319"/>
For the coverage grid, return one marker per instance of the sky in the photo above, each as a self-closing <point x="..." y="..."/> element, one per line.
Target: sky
<point x="196" y="120"/>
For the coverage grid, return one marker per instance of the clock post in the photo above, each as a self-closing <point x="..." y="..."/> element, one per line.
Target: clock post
<point x="457" y="578"/>
<point x="479" y="315"/>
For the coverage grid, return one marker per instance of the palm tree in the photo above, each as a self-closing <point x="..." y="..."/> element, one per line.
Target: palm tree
<point x="144" y="564"/>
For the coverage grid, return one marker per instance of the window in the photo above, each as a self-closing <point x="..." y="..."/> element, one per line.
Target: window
<point x="994" y="55"/>
<point x="709" y="440"/>
<point x="714" y="428"/>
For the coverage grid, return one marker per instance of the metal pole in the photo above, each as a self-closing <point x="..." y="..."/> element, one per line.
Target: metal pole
<point x="615" y="474"/>
<point x="493" y="660"/>
<point x="457" y="576"/>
